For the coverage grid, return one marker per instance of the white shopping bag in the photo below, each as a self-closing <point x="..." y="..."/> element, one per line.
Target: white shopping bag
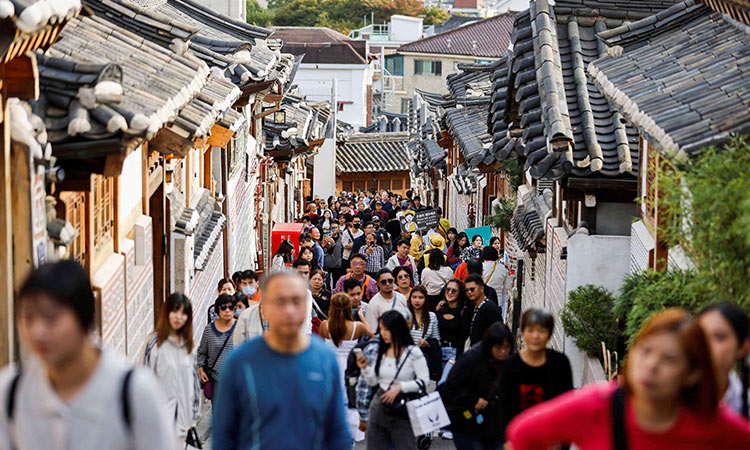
<point x="427" y="414"/>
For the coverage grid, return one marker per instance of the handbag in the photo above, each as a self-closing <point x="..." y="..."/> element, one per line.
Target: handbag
<point x="209" y="388"/>
<point x="427" y="414"/>
<point x="398" y="407"/>
<point x="193" y="440"/>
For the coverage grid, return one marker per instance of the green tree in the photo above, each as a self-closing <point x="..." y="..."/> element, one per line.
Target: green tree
<point x="502" y="214"/>
<point x="434" y="15"/>
<point x="708" y="201"/>
<point x="257" y="15"/>
<point x="588" y="318"/>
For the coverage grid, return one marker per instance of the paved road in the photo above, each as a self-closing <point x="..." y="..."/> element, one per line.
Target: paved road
<point x="204" y="429"/>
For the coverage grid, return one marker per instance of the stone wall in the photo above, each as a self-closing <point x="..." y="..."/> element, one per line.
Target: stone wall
<point x="241" y="222"/>
<point x="202" y="290"/>
<point x="109" y="284"/>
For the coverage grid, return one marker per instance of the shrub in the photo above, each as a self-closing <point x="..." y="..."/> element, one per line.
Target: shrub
<point x="589" y="319"/>
<point x="648" y="292"/>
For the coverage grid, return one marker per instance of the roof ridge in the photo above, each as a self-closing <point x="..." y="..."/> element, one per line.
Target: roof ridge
<point x="459" y="29"/>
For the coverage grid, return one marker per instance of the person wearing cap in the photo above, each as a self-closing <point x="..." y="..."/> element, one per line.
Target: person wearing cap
<point x="382" y="235"/>
<point x="380" y="212"/>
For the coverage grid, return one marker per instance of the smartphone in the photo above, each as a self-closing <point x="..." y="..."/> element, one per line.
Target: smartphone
<point x="358" y="353"/>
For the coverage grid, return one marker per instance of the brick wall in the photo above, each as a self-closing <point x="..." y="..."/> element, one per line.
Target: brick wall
<point x="555" y="297"/>
<point x="139" y="269"/>
<point x="241" y="222"/>
<point x="202" y="290"/>
<point x="109" y="283"/>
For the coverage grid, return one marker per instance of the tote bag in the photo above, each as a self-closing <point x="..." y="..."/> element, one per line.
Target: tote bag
<point x="427" y="414"/>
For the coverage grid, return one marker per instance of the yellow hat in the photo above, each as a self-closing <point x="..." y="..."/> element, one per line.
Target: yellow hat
<point x="437" y="241"/>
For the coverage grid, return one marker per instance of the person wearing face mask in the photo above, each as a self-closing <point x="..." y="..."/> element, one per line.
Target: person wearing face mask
<point x="348" y="237"/>
<point x="169" y="353"/>
<point x="249" y="285"/>
<point x="241" y="303"/>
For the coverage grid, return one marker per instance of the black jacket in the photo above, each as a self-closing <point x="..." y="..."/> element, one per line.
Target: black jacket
<point x="488" y="314"/>
<point x="473" y="377"/>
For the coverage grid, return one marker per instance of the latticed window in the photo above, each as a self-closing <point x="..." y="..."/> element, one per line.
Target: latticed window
<point x="103" y="211"/>
<point x="75" y="213"/>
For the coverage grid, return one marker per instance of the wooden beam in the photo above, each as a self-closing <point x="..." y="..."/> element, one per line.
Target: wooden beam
<point x="167" y="142"/>
<point x="113" y="165"/>
<point x="220" y="136"/>
<point x="592" y="184"/>
<point x="268" y="112"/>
<point x="7" y="333"/>
<point x="23" y="258"/>
<point x="21" y="77"/>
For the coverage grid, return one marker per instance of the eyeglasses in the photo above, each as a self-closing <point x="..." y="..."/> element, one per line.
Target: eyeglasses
<point x="387" y="281"/>
<point x="471" y="289"/>
<point x="404" y="277"/>
<point x="451" y="291"/>
<point x="357" y="264"/>
<point x="226" y="306"/>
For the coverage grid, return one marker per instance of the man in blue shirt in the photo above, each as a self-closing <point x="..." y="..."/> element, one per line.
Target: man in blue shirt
<point x="283" y="390"/>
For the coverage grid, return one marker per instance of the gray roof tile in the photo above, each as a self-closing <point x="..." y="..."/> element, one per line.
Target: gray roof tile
<point x="372" y="152"/>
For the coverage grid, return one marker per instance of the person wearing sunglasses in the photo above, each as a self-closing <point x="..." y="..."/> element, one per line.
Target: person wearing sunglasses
<point x="385" y="300"/>
<point x="216" y="341"/>
<point x="478" y="314"/>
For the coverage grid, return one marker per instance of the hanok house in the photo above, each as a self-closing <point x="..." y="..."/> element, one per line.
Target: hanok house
<point x="570" y="141"/>
<point x="293" y="133"/>
<point x="366" y="161"/>
<point x="26" y="165"/>
<point x="460" y="150"/>
<point x="123" y="106"/>
<point x="692" y="90"/>
<point x="208" y="193"/>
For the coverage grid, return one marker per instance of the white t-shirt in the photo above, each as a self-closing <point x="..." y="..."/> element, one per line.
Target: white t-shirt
<point x="414" y="368"/>
<point x="378" y="305"/>
<point x="347" y="238"/>
<point x="93" y="419"/>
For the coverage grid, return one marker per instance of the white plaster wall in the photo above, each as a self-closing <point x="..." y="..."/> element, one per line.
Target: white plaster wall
<point x="131" y="184"/>
<point x="600" y="260"/>
<point x="232" y="8"/>
<point x="315" y="81"/>
<point x="405" y="29"/>
<point x="324" y="170"/>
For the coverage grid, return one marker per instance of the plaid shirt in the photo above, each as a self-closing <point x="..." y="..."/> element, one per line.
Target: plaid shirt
<point x="375" y="260"/>
<point x="364" y="390"/>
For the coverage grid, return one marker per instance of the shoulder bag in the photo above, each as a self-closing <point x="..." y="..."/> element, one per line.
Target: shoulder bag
<point x="398" y="407"/>
<point x="210" y="387"/>
<point x="619" y="438"/>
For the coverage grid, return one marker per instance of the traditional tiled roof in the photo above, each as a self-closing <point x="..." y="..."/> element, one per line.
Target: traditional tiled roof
<point x="472" y="80"/>
<point x="464" y="179"/>
<point x="564" y="123"/>
<point x="453" y="22"/>
<point x="205" y="222"/>
<point x="305" y="122"/>
<point x="237" y="48"/>
<point x="387" y="122"/>
<point x="100" y="81"/>
<point x="321" y="45"/>
<point x="527" y="223"/>
<point x="619" y="9"/>
<point x="484" y="38"/>
<point x="467" y="124"/>
<point x="372" y="152"/>
<point x="29" y="16"/>
<point x="682" y="77"/>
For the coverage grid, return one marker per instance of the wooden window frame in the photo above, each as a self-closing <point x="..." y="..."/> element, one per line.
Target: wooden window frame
<point x="75" y="212"/>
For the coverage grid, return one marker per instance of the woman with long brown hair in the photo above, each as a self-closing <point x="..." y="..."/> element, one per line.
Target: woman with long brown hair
<point x="169" y="353"/>
<point x="669" y="399"/>
<point x="341" y="332"/>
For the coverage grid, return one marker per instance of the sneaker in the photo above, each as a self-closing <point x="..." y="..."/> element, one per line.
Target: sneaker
<point x="446" y="435"/>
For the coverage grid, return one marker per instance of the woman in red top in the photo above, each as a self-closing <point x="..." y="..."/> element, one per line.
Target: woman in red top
<point x="671" y="400"/>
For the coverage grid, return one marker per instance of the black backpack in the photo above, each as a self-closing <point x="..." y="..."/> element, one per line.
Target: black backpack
<point x="10" y="405"/>
<point x="352" y="372"/>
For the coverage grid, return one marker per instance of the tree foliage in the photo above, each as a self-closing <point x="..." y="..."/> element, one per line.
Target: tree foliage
<point x="340" y="15"/>
<point x="708" y="201"/>
<point x="589" y="319"/>
<point x="502" y="214"/>
<point x="645" y="293"/>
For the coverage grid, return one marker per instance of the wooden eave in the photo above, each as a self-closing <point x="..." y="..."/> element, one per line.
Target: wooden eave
<point x="254" y="88"/>
<point x="167" y="142"/>
<point x="19" y="77"/>
<point x="220" y="136"/>
<point x="14" y="46"/>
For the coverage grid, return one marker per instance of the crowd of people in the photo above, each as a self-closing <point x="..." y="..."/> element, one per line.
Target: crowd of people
<point x="399" y="311"/>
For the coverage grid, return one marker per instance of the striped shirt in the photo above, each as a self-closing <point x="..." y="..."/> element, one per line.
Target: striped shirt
<point x="210" y="347"/>
<point x="418" y="333"/>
